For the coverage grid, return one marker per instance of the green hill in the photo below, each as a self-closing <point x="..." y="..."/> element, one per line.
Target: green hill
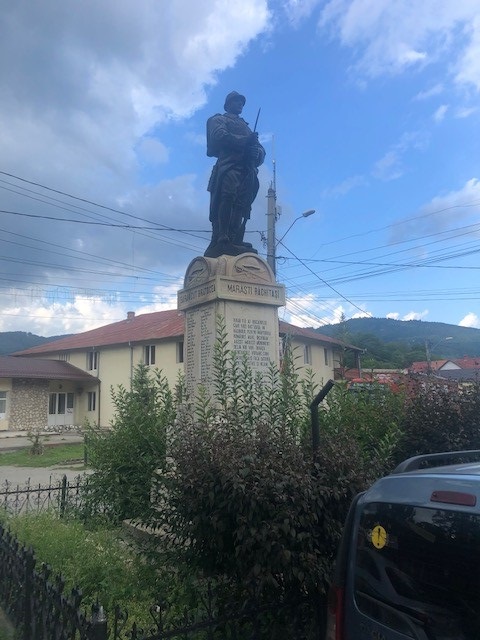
<point x="12" y="341"/>
<point x="397" y="343"/>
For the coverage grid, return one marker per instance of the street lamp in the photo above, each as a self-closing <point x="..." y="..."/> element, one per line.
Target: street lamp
<point x="305" y="214"/>
<point x="272" y="243"/>
<point x="429" y="348"/>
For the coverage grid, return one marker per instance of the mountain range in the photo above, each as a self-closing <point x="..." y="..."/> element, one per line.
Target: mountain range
<point x="447" y="340"/>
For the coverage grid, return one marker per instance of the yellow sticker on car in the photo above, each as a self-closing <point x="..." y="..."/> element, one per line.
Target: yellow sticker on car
<point x="378" y="537"/>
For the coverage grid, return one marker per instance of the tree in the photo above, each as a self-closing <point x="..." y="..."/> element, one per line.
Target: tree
<point x="125" y="456"/>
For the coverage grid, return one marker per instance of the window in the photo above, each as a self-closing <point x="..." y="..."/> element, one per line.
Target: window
<point x="91" y="400"/>
<point x="180" y="351"/>
<point x="92" y="360"/>
<point x="150" y="354"/>
<point x="307" y="354"/>
<point x="3" y="404"/>
<point x="417" y="570"/>
<point x="325" y="355"/>
<point x="61" y="403"/>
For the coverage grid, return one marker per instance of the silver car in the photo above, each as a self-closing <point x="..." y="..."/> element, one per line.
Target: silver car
<point x="408" y="566"/>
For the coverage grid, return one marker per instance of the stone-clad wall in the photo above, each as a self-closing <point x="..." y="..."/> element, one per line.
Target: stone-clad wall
<point x="29" y="404"/>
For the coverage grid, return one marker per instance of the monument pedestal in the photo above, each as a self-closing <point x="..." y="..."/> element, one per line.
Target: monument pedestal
<point x="243" y="292"/>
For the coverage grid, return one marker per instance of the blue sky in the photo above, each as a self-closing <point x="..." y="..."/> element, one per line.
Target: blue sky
<point x="369" y="108"/>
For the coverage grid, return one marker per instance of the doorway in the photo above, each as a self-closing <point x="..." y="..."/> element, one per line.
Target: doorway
<point x="60" y="409"/>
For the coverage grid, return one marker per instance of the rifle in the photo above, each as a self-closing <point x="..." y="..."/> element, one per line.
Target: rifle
<point x="256" y="121"/>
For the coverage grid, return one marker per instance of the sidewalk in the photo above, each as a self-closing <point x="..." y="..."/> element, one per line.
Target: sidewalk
<point x="12" y="440"/>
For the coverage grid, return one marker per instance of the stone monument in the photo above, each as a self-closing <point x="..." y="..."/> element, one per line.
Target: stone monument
<point x="242" y="291"/>
<point x="230" y="281"/>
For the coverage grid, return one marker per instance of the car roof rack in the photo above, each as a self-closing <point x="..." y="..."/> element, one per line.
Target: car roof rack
<point x="437" y="459"/>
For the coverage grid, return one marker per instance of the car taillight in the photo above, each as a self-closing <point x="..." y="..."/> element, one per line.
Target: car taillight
<point x="335" y="614"/>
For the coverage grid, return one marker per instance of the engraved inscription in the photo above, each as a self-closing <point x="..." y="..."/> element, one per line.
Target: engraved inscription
<point x="253" y="337"/>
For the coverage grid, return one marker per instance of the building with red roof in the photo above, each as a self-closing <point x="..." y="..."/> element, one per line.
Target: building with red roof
<point x="107" y="356"/>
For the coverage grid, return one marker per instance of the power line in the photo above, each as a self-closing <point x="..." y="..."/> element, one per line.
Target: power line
<point x="325" y="282"/>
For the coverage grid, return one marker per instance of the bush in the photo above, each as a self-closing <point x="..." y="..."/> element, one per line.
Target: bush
<point x="440" y="417"/>
<point x="372" y="418"/>
<point x="243" y="497"/>
<point x="98" y="562"/>
<point x="124" y="457"/>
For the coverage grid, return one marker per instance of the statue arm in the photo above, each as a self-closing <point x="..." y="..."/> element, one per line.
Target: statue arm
<point x="261" y="155"/>
<point x="221" y="138"/>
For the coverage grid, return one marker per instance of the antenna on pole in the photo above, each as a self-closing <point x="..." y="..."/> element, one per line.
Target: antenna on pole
<point x="272" y="215"/>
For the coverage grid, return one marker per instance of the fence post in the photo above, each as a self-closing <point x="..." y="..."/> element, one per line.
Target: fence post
<point x="63" y="496"/>
<point x="98" y="628"/>
<point x="30" y="562"/>
<point x="314" y="415"/>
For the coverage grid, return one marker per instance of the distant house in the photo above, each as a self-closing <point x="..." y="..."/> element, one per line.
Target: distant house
<point x="40" y="393"/>
<point x="454" y="364"/>
<point x="108" y="355"/>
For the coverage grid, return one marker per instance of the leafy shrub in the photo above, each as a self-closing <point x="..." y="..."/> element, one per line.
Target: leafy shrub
<point x="372" y="418"/>
<point x="98" y="562"/>
<point x="440" y="418"/>
<point x="124" y="457"/>
<point x="243" y="497"/>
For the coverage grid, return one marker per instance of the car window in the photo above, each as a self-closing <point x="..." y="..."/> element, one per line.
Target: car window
<point x="417" y="570"/>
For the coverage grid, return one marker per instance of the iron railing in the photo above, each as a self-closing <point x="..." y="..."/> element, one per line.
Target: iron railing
<point x="57" y="495"/>
<point x="37" y="604"/>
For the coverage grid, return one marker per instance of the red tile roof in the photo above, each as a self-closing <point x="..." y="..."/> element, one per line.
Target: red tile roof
<point x="466" y="362"/>
<point x="434" y="365"/>
<point x="11" y="367"/>
<point x="148" y="326"/>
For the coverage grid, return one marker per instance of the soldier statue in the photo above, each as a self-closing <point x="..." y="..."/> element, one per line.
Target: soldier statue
<point x="233" y="185"/>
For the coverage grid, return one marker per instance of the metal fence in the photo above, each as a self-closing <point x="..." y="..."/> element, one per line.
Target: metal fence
<point x="58" y="495"/>
<point x="37" y="604"/>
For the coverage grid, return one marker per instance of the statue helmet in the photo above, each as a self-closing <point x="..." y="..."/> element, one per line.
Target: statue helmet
<point x="232" y="96"/>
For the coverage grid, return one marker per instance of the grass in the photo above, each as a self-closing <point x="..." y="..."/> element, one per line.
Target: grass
<point x="98" y="561"/>
<point x="52" y="455"/>
<point x="6" y="629"/>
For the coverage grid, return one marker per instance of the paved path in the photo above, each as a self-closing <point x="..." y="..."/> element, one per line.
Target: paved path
<point x="36" y="475"/>
<point x="10" y="441"/>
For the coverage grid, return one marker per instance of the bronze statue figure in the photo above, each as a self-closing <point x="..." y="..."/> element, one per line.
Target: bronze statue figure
<point x="233" y="185"/>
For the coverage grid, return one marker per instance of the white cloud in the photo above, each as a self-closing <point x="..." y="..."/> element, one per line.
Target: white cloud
<point x="298" y="10"/>
<point x="394" y="315"/>
<point x="345" y="186"/>
<point x="468" y="66"/>
<point x="465" y="112"/>
<point x="305" y="311"/>
<point x="83" y="84"/>
<point x="391" y="165"/>
<point x="415" y="315"/>
<point x="470" y="320"/>
<point x="361" y="314"/>
<point x="441" y="212"/>
<point x="440" y="113"/>
<point x="430" y="93"/>
<point x="152" y="151"/>
<point x="60" y="311"/>
<point x="48" y="319"/>
<point x="394" y="35"/>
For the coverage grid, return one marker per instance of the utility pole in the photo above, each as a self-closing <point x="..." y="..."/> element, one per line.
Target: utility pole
<point x="271" y="220"/>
